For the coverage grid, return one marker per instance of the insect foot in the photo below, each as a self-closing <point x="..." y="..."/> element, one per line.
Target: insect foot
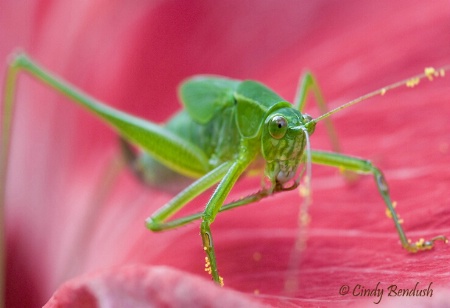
<point x="422" y="245"/>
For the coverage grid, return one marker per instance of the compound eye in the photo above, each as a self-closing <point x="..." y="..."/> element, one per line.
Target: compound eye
<point x="277" y="127"/>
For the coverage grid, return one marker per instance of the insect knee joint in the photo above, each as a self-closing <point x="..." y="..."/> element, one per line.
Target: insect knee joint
<point x="206" y="236"/>
<point x="153" y="225"/>
<point x="381" y="181"/>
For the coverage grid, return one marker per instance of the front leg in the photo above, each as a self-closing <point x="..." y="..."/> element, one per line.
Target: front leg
<point x="214" y="205"/>
<point x="364" y="166"/>
<point x="307" y="84"/>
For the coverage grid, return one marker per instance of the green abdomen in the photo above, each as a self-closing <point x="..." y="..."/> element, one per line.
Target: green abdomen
<point x="219" y="139"/>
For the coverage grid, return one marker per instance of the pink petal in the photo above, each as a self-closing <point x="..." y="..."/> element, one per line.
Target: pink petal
<point x="143" y="286"/>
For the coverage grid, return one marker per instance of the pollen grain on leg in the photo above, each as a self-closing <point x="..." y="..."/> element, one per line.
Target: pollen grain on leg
<point x="208" y="266"/>
<point x="388" y="213"/>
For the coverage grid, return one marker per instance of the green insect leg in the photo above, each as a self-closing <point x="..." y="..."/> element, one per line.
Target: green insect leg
<point x="306" y="84"/>
<point x="216" y="202"/>
<point x="155" y="222"/>
<point x="227" y="173"/>
<point x="158" y="220"/>
<point x="169" y="149"/>
<point x="364" y="166"/>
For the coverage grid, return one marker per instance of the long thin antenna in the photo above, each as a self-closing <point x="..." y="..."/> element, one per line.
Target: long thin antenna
<point x="429" y="73"/>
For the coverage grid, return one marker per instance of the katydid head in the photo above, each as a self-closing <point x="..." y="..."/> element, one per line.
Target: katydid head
<point x="284" y="139"/>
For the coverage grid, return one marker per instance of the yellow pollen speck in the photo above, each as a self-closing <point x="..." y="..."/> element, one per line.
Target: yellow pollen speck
<point x="257" y="256"/>
<point x="420" y="242"/>
<point x="429" y="72"/>
<point x="412" y="82"/>
<point x="221" y="281"/>
<point x="208" y="266"/>
<point x="383" y="91"/>
<point x="442" y="72"/>
<point x="388" y="213"/>
<point x="256" y="292"/>
<point x="400" y="221"/>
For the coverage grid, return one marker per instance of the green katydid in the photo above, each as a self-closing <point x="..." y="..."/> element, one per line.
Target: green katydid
<point x="226" y="126"/>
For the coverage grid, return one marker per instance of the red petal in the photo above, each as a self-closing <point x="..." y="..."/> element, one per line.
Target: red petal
<point x="143" y="286"/>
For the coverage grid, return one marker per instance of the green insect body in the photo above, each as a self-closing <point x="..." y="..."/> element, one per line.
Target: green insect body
<point x="276" y="126"/>
<point x="226" y="125"/>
